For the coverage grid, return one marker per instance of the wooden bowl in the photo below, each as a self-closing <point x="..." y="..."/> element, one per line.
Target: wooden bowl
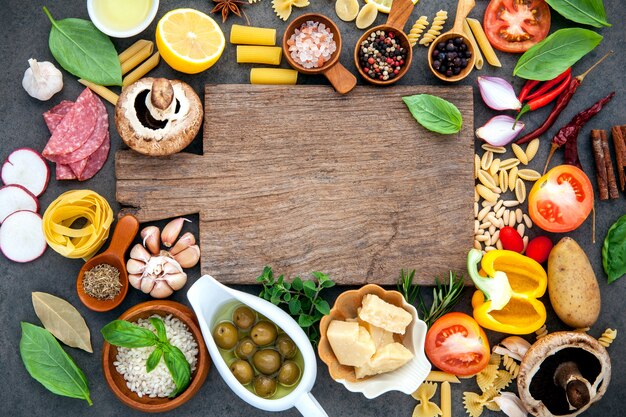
<point x="398" y="16"/>
<point x="463" y="9"/>
<point x="116" y="381"/>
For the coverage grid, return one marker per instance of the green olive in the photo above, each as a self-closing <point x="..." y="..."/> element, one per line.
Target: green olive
<point x="242" y="371"/>
<point x="264" y="386"/>
<point x="266" y="361"/>
<point x="289" y="373"/>
<point x="245" y="348"/>
<point x="225" y="335"/>
<point x="244" y="317"/>
<point x="286" y="347"/>
<point x="263" y="333"/>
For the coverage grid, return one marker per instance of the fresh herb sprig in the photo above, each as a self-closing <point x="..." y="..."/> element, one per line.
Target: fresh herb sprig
<point x="125" y="334"/>
<point x="406" y="287"/>
<point x="300" y="297"/>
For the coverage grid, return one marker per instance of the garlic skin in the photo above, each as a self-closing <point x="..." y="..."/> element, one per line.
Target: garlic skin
<point x="42" y="80"/>
<point x="510" y="404"/>
<point x="513" y="346"/>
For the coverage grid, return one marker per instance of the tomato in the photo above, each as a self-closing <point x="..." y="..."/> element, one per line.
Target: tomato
<point x="514" y="27"/>
<point x="561" y="200"/>
<point x="539" y="249"/>
<point x="455" y="343"/>
<point x="511" y="239"/>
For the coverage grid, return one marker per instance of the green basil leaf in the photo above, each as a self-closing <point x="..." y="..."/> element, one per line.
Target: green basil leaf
<point x="125" y="334"/>
<point x="178" y="366"/>
<point x="81" y="49"/>
<point x="587" y="12"/>
<point x="159" y="326"/>
<point x="614" y="250"/>
<point x="47" y="362"/>
<point x="435" y="113"/>
<point x="556" y="53"/>
<point x="154" y="359"/>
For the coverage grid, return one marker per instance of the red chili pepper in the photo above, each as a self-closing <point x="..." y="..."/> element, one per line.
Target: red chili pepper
<point x="542" y="101"/>
<point x="530" y="84"/>
<point x="549" y="84"/>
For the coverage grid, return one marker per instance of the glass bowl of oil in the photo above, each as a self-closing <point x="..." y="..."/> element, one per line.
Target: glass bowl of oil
<point x="122" y="18"/>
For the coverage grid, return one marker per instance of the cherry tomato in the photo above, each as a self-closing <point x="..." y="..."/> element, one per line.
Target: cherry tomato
<point x="455" y="343"/>
<point x="511" y="240"/>
<point x="539" y="249"/>
<point x="561" y="200"/>
<point x="513" y="26"/>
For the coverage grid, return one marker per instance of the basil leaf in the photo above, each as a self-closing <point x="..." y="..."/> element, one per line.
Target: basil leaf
<point x="160" y="329"/>
<point x="46" y="361"/>
<point x="434" y="113"/>
<point x="178" y="366"/>
<point x="614" y="250"/>
<point x="587" y="12"/>
<point x="125" y="334"/>
<point x="556" y="53"/>
<point x="81" y="49"/>
<point x="154" y="359"/>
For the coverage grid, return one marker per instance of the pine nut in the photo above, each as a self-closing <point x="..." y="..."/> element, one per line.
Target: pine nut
<point x="477" y="245"/>
<point x="519" y="153"/>
<point x="512" y="178"/>
<point x="492" y="229"/>
<point x="503" y="180"/>
<point x="528" y="174"/>
<point x="520" y="190"/>
<point x="483" y="213"/>
<point x="497" y="206"/>
<point x="511" y="219"/>
<point x="486" y="160"/>
<point x="499" y="245"/>
<point x="500" y="212"/>
<point x="475" y="210"/>
<point x="487" y="194"/>
<point x="476" y="196"/>
<point x="494" y="149"/>
<point x="489" y="248"/>
<point x="476" y="165"/>
<point x="486" y="203"/>
<point x="525" y="240"/>
<point x="510" y="203"/>
<point x="495" y="166"/>
<point x="528" y="221"/>
<point x="485" y="225"/>
<point x="497" y="190"/>
<point x="509" y="163"/>
<point x="495" y="237"/>
<point x="482" y="238"/>
<point x="521" y="229"/>
<point x="476" y="225"/>
<point x="486" y="180"/>
<point x="505" y="216"/>
<point x="518" y="215"/>
<point x="492" y="219"/>
<point x="532" y="148"/>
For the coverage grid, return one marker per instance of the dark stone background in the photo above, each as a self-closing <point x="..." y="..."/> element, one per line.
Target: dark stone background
<point x="23" y="33"/>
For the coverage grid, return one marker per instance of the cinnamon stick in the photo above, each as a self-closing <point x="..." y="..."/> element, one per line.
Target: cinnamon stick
<point x="601" y="167"/>
<point x="620" y="152"/>
<point x="610" y="173"/>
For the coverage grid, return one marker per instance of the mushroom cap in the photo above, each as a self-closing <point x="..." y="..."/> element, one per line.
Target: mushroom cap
<point x="535" y="377"/>
<point x="154" y="137"/>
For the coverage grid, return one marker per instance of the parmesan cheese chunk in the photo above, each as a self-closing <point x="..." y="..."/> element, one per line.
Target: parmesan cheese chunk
<point x="382" y="314"/>
<point x="351" y="343"/>
<point x="380" y="336"/>
<point x="386" y="359"/>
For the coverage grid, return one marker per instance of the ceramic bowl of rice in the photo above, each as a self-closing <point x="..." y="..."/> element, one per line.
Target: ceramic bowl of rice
<point x="125" y="369"/>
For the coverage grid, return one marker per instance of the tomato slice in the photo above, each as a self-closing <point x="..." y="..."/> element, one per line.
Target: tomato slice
<point x="455" y="343"/>
<point x="561" y="200"/>
<point x="514" y="25"/>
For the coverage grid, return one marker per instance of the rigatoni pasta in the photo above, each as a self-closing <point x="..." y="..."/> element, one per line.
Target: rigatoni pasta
<point x="479" y="62"/>
<point x="481" y="39"/>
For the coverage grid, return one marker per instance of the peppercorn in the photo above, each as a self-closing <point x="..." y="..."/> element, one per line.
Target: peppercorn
<point x="381" y="56"/>
<point x="451" y="57"/>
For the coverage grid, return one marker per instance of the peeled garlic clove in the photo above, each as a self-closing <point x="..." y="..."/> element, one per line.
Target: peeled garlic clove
<point x="172" y="230"/>
<point x="170" y="266"/>
<point x="183" y="243"/>
<point x="133" y="266"/>
<point x="161" y="290"/>
<point x="151" y="236"/>
<point x="135" y="280"/>
<point x="147" y="284"/>
<point x="176" y="281"/>
<point x="189" y="257"/>
<point x="140" y="253"/>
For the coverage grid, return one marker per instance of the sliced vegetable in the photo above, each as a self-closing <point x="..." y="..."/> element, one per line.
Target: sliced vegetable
<point x="435" y="113"/>
<point x="500" y="130"/>
<point x="21" y="237"/>
<point x="614" y="250"/>
<point x="498" y="93"/>
<point x="26" y="167"/>
<point x="587" y="12"/>
<point x="514" y="26"/>
<point x="15" y="198"/>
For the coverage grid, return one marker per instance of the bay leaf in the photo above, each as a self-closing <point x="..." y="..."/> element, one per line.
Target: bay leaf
<point x="62" y="320"/>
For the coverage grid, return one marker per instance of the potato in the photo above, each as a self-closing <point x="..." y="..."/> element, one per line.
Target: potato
<point x="572" y="285"/>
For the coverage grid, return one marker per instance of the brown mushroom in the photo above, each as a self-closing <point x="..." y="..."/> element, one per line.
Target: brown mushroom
<point x="157" y="117"/>
<point x="563" y="374"/>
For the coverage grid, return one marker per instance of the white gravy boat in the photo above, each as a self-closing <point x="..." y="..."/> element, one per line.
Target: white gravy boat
<point x="207" y="297"/>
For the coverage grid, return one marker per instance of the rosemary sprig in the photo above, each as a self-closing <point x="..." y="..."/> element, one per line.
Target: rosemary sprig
<point x="406" y="287"/>
<point x="445" y="297"/>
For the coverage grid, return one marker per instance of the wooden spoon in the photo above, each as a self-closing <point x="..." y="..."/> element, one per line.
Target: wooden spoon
<point x="123" y="236"/>
<point x="462" y="10"/>
<point x="342" y="80"/>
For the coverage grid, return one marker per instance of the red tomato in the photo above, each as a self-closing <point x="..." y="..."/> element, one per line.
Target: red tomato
<point x="512" y="26"/>
<point x="561" y="200"/>
<point x="455" y="343"/>
<point x="511" y="240"/>
<point x="539" y="249"/>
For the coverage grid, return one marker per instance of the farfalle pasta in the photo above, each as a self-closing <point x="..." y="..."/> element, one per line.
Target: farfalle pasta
<point x="425" y="407"/>
<point x="282" y="8"/>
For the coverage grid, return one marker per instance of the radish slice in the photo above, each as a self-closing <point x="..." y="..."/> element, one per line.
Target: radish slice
<point x="21" y="236"/>
<point x="15" y="198"/>
<point x="26" y="167"/>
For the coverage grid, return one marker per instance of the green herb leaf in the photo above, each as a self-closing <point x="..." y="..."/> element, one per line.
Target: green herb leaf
<point x="406" y="287"/>
<point x="587" y="12"/>
<point x="294" y="307"/>
<point x="154" y="359"/>
<point x="556" y="53"/>
<point x="445" y="297"/>
<point x="297" y="284"/>
<point x="125" y="334"/>
<point x="159" y="326"/>
<point x="46" y="361"/>
<point x="435" y="113"/>
<point x="178" y="366"/>
<point x="310" y="289"/>
<point x="614" y="250"/>
<point x="322" y="306"/>
<point x="305" y="320"/>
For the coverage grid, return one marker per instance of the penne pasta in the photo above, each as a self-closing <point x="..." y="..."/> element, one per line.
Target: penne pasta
<point x="446" y="399"/>
<point x="479" y="56"/>
<point x="439" y="376"/>
<point x="141" y="71"/>
<point x="133" y="49"/>
<point x="481" y="39"/>
<point x="141" y="55"/>
<point x="103" y="92"/>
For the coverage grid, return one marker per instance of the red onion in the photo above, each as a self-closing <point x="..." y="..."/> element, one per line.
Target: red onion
<point x="498" y="94"/>
<point x="499" y="131"/>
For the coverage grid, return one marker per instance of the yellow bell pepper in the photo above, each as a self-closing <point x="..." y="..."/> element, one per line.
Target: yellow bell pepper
<point x="509" y="285"/>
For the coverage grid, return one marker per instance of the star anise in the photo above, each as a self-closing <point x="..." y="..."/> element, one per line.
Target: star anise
<point x="228" y="6"/>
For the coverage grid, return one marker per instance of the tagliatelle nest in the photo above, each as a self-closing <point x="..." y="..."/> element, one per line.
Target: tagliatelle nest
<point x="282" y="8"/>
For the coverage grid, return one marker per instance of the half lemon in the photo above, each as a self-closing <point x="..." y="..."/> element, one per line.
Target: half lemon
<point x="384" y="6"/>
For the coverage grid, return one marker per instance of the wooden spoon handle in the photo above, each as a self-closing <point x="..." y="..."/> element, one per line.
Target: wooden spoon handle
<point x="123" y="236"/>
<point x="462" y="10"/>
<point x="399" y="14"/>
<point x="342" y="80"/>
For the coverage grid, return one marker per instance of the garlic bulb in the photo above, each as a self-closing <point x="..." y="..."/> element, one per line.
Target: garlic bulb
<point x="42" y="80"/>
<point x="157" y="275"/>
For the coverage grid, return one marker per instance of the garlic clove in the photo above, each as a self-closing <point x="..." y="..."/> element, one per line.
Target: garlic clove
<point x="140" y="253"/>
<point x="172" y="230"/>
<point x="133" y="266"/>
<point x="510" y="404"/>
<point x="161" y="289"/>
<point x="183" y="243"/>
<point x="151" y="236"/>
<point x="176" y="281"/>
<point x="135" y="280"/>
<point x="513" y="346"/>
<point x="171" y="266"/>
<point x="147" y="284"/>
<point x="189" y="257"/>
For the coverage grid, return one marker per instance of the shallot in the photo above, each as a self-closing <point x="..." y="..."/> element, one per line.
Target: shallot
<point x="498" y="94"/>
<point x="500" y="130"/>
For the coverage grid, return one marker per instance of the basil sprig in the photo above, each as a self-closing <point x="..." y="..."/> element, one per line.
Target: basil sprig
<point x="556" y="53"/>
<point x="129" y="335"/>
<point x="587" y="12"/>
<point x="614" y="250"/>
<point x="435" y="113"/>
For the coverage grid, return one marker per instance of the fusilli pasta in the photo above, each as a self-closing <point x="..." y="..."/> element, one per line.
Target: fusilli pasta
<point x="607" y="337"/>
<point x="435" y="28"/>
<point x="417" y="29"/>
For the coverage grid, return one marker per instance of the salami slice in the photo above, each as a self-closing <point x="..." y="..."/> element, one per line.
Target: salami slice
<point x="64" y="172"/>
<point x="54" y="116"/>
<point x="96" y="160"/>
<point x="78" y="167"/>
<point x="75" y="128"/>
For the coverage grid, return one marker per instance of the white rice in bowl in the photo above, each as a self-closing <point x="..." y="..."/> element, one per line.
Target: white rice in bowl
<point x="131" y="363"/>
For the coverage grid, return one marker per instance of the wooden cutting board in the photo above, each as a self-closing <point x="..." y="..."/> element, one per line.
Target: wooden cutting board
<point x="303" y="179"/>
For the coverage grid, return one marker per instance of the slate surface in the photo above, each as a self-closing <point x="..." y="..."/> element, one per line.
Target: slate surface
<point x="24" y="31"/>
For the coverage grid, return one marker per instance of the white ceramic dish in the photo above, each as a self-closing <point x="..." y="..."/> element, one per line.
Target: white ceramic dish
<point x="207" y="296"/>
<point x="117" y="33"/>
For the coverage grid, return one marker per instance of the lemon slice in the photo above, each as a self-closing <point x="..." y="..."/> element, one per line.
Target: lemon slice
<point x="347" y="10"/>
<point x="384" y="6"/>
<point x="189" y="40"/>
